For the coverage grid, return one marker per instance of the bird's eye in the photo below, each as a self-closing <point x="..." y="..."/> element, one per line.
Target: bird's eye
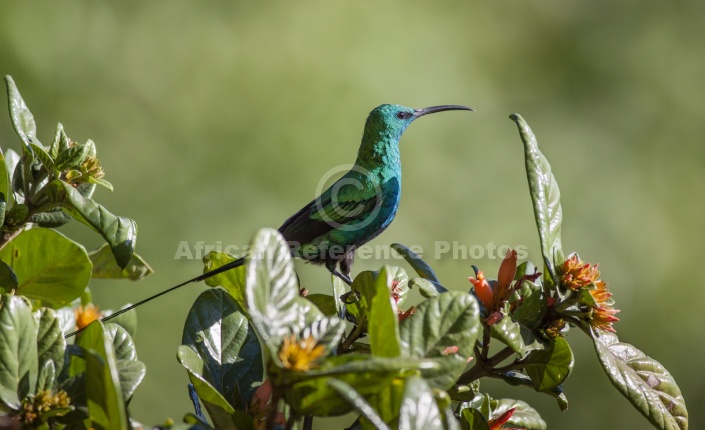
<point x="402" y="115"/>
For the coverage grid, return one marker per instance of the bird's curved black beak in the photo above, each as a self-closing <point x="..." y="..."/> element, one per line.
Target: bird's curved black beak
<point x="434" y="109"/>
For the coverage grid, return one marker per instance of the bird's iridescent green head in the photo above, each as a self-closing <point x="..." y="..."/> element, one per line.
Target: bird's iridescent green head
<point x="386" y="124"/>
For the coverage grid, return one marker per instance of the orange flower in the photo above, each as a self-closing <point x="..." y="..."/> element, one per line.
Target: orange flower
<point x="576" y="274"/>
<point x="300" y="355"/>
<point x="601" y="295"/>
<point x="498" y="423"/>
<point x="87" y="315"/>
<point x="483" y="290"/>
<point x="602" y="317"/>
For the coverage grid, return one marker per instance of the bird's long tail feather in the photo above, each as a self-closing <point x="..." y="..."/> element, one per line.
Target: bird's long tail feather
<point x="233" y="264"/>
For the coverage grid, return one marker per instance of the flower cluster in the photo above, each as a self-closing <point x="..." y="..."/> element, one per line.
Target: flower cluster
<point x="576" y="275"/>
<point x="300" y="355"/>
<point x="44" y="401"/>
<point x="86" y="315"/>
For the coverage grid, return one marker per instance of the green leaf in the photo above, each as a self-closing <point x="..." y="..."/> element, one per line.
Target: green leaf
<point x="4" y="183"/>
<point x="427" y="288"/>
<point x="516" y="336"/>
<point x="50" y="339"/>
<point x="72" y="157"/>
<point x="419" y="409"/>
<point x="18" y="351"/>
<point x="218" y="330"/>
<point x="383" y="323"/>
<point x="548" y="367"/>
<point x="52" y="218"/>
<point x="642" y="380"/>
<point x="420" y="266"/>
<point x="105" y="267"/>
<point x="104" y="399"/>
<point x="131" y="371"/>
<point x="271" y="290"/>
<point x="325" y="303"/>
<point x="326" y="331"/>
<point x="126" y="320"/>
<point x="358" y="402"/>
<point x="544" y="191"/>
<point x="8" y="279"/>
<point x="106" y="407"/>
<point x="524" y="416"/>
<point x="532" y="308"/>
<point x="472" y="419"/>
<point x="50" y="267"/>
<point x="449" y="320"/>
<point x="444" y="328"/>
<point x="47" y="376"/>
<point x="22" y="118"/>
<point x="219" y="410"/>
<point x="232" y="280"/>
<point x="339" y="289"/>
<point x="43" y="156"/>
<point x="119" y="232"/>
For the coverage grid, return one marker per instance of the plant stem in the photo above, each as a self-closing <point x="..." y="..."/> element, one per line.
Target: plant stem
<point x="485" y="366"/>
<point x="7" y="235"/>
<point x="354" y="335"/>
<point x="273" y="409"/>
<point x="308" y="422"/>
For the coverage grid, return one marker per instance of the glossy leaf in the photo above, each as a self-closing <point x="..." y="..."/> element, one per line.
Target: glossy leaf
<point x="524" y="416"/>
<point x="420" y="266"/>
<point x="217" y="329"/>
<point x="326" y="331"/>
<point x="126" y="320"/>
<point x="325" y="303"/>
<point x="50" y="267"/>
<point x="271" y="289"/>
<point x="8" y="279"/>
<point x="383" y="323"/>
<point x="419" y="410"/>
<point x="119" y="232"/>
<point x="18" y="351"/>
<point x="47" y="376"/>
<point x="544" y="191"/>
<point x="472" y="419"/>
<point x="548" y="367"/>
<point x="103" y="393"/>
<point x="444" y="328"/>
<point x="232" y="280"/>
<point x="339" y="289"/>
<point x="358" y="402"/>
<point x="22" y="118"/>
<point x="50" y="339"/>
<point x="516" y="336"/>
<point x="219" y="409"/>
<point x="4" y="183"/>
<point x="642" y="380"/>
<point x="427" y="288"/>
<point x="105" y="267"/>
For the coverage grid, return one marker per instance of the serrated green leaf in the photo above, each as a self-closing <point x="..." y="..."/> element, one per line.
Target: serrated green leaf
<point x="544" y="191"/>
<point x="271" y="290"/>
<point x="642" y="380"/>
<point x="420" y="266"/>
<point x="219" y="410"/>
<point x="50" y="267"/>
<point x="105" y="267"/>
<point x="18" y="351"/>
<point x="383" y="323"/>
<point x="22" y="118"/>
<point x="217" y="329"/>
<point x="548" y="367"/>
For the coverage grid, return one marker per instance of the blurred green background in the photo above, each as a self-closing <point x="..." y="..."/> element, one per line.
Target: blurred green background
<point x="214" y="119"/>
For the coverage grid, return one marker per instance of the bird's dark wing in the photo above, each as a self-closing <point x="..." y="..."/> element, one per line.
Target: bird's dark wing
<point x="324" y="214"/>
